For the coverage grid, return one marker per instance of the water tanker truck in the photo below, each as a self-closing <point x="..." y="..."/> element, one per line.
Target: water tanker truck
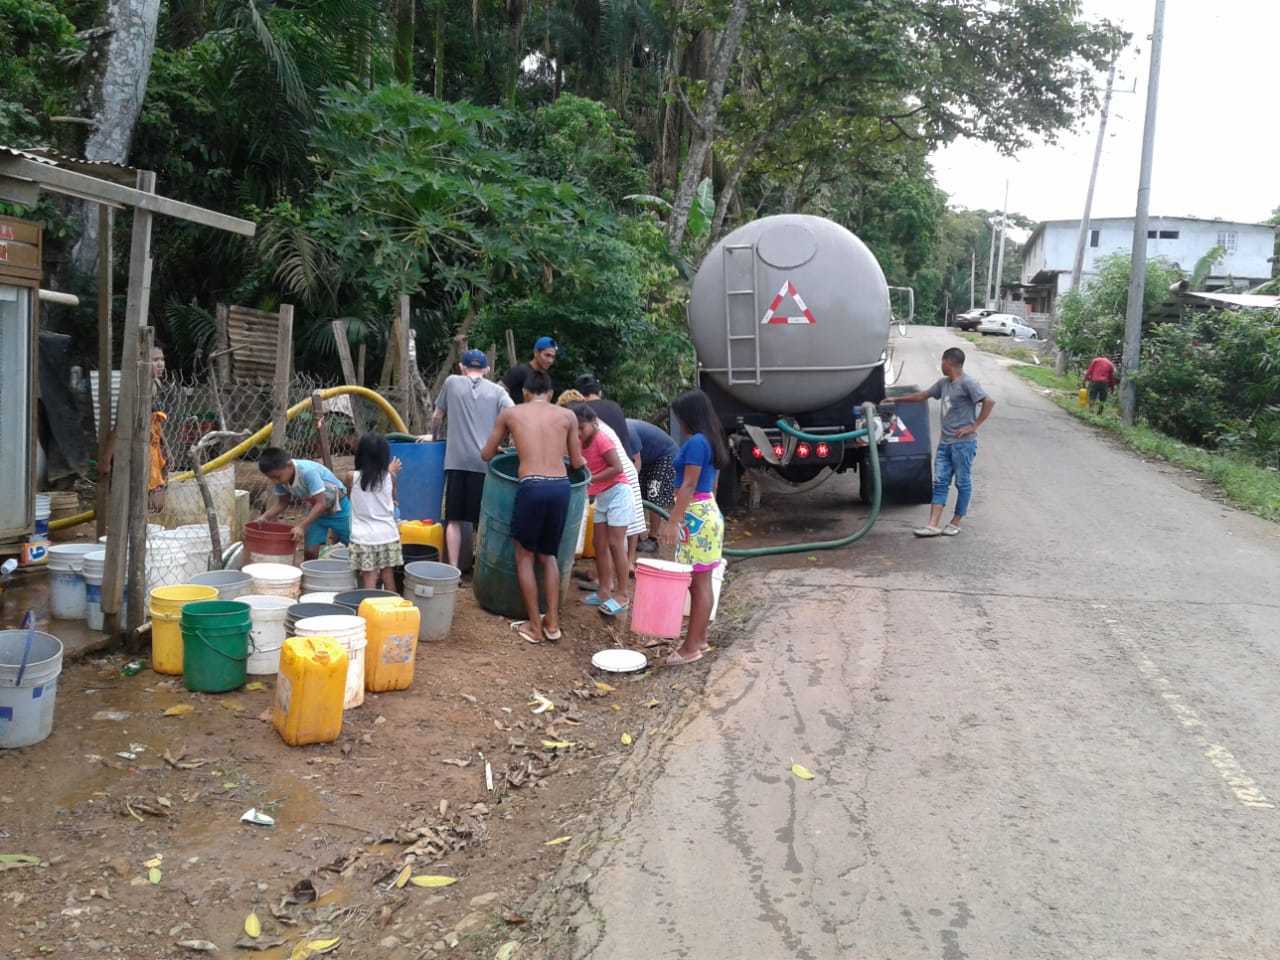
<point x="790" y="317"/>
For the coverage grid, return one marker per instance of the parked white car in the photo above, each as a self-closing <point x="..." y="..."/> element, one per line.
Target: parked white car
<point x="1006" y="325"/>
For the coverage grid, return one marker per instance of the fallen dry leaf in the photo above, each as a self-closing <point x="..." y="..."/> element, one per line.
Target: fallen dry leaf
<point x="403" y="877"/>
<point x="260" y="943"/>
<point x="428" y="880"/>
<point x="557" y="841"/>
<point x="252" y="925"/>
<point x="604" y="687"/>
<point x="255" y="686"/>
<point x="508" y="950"/>
<point x="626" y="739"/>
<point x="179" y="709"/>
<point x="652" y="703"/>
<point x="804" y="773"/>
<point x="199" y="946"/>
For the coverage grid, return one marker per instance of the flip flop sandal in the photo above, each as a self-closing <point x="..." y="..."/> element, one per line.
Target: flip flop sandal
<point x="588" y="585"/>
<point x="592" y="600"/>
<point x="548" y="635"/>
<point x="675" y="660"/>
<point x="611" y="607"/>
<point x="519" y="626"/>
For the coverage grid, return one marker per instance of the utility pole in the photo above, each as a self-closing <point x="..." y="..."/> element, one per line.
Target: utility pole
<point x="1077" y="268"/>
<point x="991" y="267"/>
<point x="973" y="276"/>
<point x="1138" y="261"/>
<point x="1004" y="228"/>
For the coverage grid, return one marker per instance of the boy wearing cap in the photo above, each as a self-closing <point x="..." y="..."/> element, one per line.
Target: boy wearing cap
<point x="472" y="404"/>
<point x="544" y="355"/>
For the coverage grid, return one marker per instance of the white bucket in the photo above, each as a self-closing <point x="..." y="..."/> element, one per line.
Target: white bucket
<point x="26" y="709"/>
<point x="275" y="580"/>
<point x="350" y="632"/>
<point x="319" y="597"/>
<point x="717" y="581"/>
<point x="582" y="528"/>
<point x="175" y="556"/>
<point x="266" y="632"/>
<point x="95" y="564"/>
<point x="67" y="598"/>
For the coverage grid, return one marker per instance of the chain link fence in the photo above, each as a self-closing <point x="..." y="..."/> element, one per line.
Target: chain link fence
<point x="202" y="420"/>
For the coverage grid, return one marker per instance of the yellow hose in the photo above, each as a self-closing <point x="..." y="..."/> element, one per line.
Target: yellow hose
<point x="244" y="446"/>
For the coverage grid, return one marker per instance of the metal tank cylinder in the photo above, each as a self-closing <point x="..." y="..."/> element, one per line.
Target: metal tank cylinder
<point x="789" y="313"/>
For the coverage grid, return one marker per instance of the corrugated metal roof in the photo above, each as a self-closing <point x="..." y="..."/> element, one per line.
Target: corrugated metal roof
<point x="102" y="169"/>
<point x="1251" y="301"/>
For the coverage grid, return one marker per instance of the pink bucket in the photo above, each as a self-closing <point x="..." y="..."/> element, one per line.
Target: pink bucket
<point x="657" y="609"/>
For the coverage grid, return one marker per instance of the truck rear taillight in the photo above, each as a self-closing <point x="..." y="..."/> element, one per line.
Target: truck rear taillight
<point x="822" y="450"/>
<point x="803" y="451"/>
<point x="757" y="453"/>
<point x="778" y="451"/>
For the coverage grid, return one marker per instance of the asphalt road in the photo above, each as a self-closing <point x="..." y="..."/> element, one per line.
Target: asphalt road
<point x="1052" y="736"/>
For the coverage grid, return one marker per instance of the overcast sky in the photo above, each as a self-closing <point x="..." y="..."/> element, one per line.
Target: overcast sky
<point x="1217" y="148"/>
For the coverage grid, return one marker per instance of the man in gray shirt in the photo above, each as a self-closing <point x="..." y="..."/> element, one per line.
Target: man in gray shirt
<point x="472" y="404"/>
<point x="965" y="407"/>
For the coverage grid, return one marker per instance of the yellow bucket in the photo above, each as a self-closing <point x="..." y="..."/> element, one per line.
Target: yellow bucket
<point x="166" y="623"/>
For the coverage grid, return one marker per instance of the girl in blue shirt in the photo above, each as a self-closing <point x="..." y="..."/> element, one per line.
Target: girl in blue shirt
<point x="696" y="527"/>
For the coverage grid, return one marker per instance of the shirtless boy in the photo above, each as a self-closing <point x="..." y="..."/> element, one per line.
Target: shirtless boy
<point x="544" y="435"/>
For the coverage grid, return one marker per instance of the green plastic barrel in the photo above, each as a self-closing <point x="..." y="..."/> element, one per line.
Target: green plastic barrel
<point x="215" y="645"/>
<point x="494" y="582"/>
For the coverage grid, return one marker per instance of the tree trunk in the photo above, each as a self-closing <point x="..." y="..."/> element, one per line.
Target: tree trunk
<point x="112" y="93"/>
<point x="730" y="187"/>
<point x="402" y="56"/>
<point x="704" y="127"/>
<point x="439" y="55"/>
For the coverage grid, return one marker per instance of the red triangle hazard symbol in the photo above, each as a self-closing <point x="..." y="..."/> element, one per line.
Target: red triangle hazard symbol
<point x="900" y="433"/>
<point x="788" y="289"/>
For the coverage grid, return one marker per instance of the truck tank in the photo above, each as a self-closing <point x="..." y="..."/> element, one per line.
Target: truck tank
<point x="789" y="313"/>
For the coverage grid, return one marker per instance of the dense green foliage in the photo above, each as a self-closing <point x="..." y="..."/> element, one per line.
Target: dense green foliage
<point x="1091" y="317"/>
<point x="478" y="155"/>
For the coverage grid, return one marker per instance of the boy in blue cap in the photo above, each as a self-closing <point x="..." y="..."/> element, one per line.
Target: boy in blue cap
<point x="544" y="355"/>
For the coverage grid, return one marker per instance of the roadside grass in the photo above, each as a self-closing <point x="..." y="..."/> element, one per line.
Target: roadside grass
<point x="1245" y="484"/>
<point x="1014" y="350"/>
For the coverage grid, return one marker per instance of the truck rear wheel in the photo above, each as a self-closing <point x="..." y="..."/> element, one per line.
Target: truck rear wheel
<point x="729" y="489"/>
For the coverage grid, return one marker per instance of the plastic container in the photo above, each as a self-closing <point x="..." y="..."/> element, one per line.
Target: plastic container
<point x="303" y="611"/>
<point x="28" y="686"/>
<point x="166" y="607"/>
<point x="67" y="597"/>
<point x="335" y="575"/>
<point x="309" y="690"/>
<point x="95" y="564"/>
<point x="658" y="604"/>
<point x="351" y="599"/>
<point x="420" y="485"/>
<point x="267" y="616"/>
<point x="717" y="581"/>
<point x="63" y="504"/>
<point x="215" y="645"/>
<point x="275" y="580"/>
<point x="338" y="552"/>
<point x="175" y="556"/>
<point x="433" y="589"/>
<point x="348" y="630"/>
<point x="230" y="584"/>
<point x="391" y="631"/>
<point x="413" y="553"/>
<point x="425" y="532"/>
<point x="586" y="539"/>
<point x="43" y="510"/>
<point x="1082" y="397"/>
<point x="321" y="596"/>
<point x="495" y="585"/>
<point x="268" y="543"/>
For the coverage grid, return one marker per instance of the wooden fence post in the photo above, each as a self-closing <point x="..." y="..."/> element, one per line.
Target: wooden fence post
<point x="284" y="365"/>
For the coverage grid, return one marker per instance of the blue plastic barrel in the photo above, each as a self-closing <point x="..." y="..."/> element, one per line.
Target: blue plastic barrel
<point x="420" y="486"/>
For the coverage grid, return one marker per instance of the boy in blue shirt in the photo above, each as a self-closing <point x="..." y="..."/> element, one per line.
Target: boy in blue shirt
<point x="312" y="483"/>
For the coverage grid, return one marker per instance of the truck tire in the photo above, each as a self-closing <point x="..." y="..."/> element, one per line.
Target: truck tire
<point x="729" y="489"/>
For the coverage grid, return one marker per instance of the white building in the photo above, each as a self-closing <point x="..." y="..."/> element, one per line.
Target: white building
<point x="1050" y="251"/>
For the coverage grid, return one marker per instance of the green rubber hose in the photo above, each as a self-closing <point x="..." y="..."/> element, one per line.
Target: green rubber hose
<point x="825" y="437"/>
<point x="873" y="457"/>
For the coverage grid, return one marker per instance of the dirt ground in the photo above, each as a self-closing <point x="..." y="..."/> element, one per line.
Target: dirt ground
<point x="135" y="815"/>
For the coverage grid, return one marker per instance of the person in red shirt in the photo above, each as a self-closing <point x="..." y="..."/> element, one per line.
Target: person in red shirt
<point x="1099" y="379"/>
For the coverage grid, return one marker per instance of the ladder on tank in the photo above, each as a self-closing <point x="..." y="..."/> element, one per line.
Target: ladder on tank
<point x="740" y="314"/>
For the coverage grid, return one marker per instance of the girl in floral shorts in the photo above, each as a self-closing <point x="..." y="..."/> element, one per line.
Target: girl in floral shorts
<point x="375" y="536"/>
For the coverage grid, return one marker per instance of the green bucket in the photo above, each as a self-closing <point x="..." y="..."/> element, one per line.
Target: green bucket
<point x="215" y="645"/>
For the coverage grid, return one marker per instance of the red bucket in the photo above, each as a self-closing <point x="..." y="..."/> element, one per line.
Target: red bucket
<point x="268" y="543"/>
<point x="657" y="609"/>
